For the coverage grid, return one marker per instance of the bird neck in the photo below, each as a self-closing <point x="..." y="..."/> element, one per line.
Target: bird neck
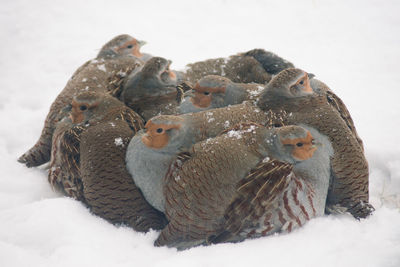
<point x="235" y="94"/>
<point x="106" y="54"/>
<point x="316" y="170"/>
<point x="145" y="57"/>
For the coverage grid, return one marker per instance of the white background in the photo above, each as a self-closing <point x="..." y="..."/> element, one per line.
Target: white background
<point x="353" y="46"/>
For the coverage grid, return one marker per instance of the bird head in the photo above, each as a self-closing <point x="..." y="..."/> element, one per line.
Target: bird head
<point x="90" y="107"/>
<point x="153" y="81"/>
<point x="292" y="144"/>
<point x="160" y="67"/>
<point x="209" y="92"/>
<point x="290" y="83"/>
<point x="122" y="45"/>
<point x="167" y="133"/>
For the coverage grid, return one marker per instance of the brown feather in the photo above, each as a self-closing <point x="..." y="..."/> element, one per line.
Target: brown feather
<point x="255" y="193"/>
<point x="108" y="187"/>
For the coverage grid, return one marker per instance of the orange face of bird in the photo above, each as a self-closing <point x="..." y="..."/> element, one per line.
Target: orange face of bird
<point x="172" y="75"/>
<point x="304" y="148"/>
<point x="78" y="110"/>
<point x="156" y="134"/>
<point x="169" y="72"/>
<point x="302" y="84"/>
<point x="132" y="44"/>
<point x="202" y="95"/>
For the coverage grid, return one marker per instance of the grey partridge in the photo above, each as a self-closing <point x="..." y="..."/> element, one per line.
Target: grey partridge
<point x="152" y="89"/>
<point x="115" y="60"/>
<point x="88" y="161"/>
<point x="214" y="91"/>
<point x="87" y="110"/>
<point x="207" y="193"/>
<point x="290" y="94"/>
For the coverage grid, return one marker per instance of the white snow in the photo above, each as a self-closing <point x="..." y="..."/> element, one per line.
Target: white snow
<point x="353" y="46"/>
<point x="233" y="133"/>
<point x="102" y="67"/>
<point x="118" y="141"/>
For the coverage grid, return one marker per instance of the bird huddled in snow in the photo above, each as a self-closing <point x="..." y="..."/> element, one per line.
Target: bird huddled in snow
<point x="116" y="59"/>
<point x="292" y="93"/>
<point x="88" y="161"/>
<point x="238" y="185"/>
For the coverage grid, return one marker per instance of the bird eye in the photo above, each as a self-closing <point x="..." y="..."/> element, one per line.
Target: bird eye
<point x="159" y="130"/>
<point x="206" y="93"/>
<point x="299" y="144"/>
<point x="129" y="46"/>
<point x="302" y="82"/>
<point x="83" y="107"/>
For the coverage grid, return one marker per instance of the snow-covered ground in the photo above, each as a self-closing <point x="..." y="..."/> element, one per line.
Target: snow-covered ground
<point x="353" y="46"/>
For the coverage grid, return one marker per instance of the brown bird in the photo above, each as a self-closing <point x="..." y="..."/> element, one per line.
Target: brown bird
<point x="114" y="60"/>
<point x="200" y="193"/>
<point x="152" y="90"/>
<point x="88" y="161"/>
<point x="214" y="91"/>
<point x="290" y="92"/>
<point x="87" y="110"/>
<point x="256" y="66"/>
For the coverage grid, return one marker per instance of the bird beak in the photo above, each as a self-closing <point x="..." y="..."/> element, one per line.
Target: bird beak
<point x="310" y="76"/>
<point x="141" y="43"/>
<point x="317" y="145"/>
<point x="169" y="63"/>
<point x="189" y="93"/>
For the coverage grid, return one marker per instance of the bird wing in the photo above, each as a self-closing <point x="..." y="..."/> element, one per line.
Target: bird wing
<point x="110" y="191"/>
<point x="336" y="103"/>
<point x="255" y="195"/>
<point x="181" y="89"/>
<point x="64" y="170"/>
<point x="196" y="194"/>
<point x="116" y="79"/>
<point x="134" y="120"/>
